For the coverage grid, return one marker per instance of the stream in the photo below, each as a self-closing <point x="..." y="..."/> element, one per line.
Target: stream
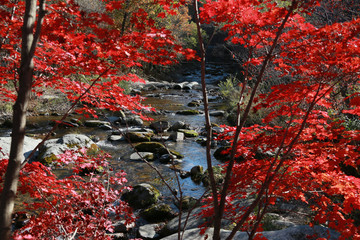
<point x="167" y="102"/>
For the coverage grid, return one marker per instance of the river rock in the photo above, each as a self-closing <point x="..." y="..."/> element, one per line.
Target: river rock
<point x="177" y="136"/>
<point x="220" y="154"/>
<point x="178" y="125"/>
<point x="300" y="232"/>
<point x="158" y="213"/>
<point x="29" y="145"/>
<point x="187" y="203"/>
<point x="149" y="156"/>
<point x="193" y="221"/>
<point x="160" y="126"/>
<point x="179" y="85"/>
<point x="149" y="231"/>
<point x="55" y="147"/>
<point x="154" y="147"/>
<point x="189" y="133"/>
<point x="218" y="176"/>
<point x="142" y="195"/>
<point x="188" y="112"/>
<point x="196" y="173"/>
<point x="189" y="86"/>
<point x="135" y="137"/>
<point x="116" y="138"/>
<point x="217" y="113"/>
<point x="166" y="158"/>
<point x="194" y="103"/>
<point x="157" y="148"/>
<point x="130" y="121"/>
<point x="95" y="123"/>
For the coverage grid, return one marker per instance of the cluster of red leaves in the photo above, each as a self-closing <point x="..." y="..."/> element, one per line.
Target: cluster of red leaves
<point x="81" y="204"/>
<point x="75" y="42"/>
<point x="301" y="157"/>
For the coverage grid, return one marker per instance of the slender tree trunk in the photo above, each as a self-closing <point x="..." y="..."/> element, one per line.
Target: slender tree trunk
<point x="29" y="41"/>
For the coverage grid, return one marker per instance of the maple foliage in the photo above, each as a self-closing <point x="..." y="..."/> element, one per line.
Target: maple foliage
<point x="79" y="204"/>
<point x="74" y="41"/>
<point x="50" y="45"/>
<point x="298" y="150"/>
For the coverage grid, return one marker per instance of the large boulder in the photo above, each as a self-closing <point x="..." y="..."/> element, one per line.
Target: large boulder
<point x="157" y="148"/>
<point x="142" y="196"/>
<point x="135" y="137"/>
<point x="188" y="112"/>
<point x="54" y="147"/>
<point x="95" y="123"/>
<point x="138" y="156"/>
<point x="158" y="213"/>
<point x="29" y="145"/>
<point x="300" y="232"/>
<point x="189" y="133"/>
<point x="160" y="126"/>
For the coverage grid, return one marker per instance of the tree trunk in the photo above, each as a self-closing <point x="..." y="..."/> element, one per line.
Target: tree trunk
<point x="19" y="120"/>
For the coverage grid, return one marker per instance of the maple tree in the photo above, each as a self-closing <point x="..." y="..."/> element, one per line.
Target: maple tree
<point x="298" y="150"/>
<point x="46" y="44"/>
<point x="299" y="158"/>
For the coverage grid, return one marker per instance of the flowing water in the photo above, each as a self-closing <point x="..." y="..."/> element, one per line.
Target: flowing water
<point x="167" y="101"/>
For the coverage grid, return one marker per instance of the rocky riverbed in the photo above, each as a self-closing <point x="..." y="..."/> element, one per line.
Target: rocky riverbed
<point x="172" y="142"/>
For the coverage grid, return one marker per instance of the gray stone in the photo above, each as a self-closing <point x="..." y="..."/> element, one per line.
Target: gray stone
<point x="160" y="126"/>
<point x="55" y="147"/>
<point x="158" y="213"/>
<point x="29" y="145"/>
<point x="135" y="137"/>
<point x="193" y="221"/>
<point x="178" y="125"/>
<point x="95" y="123"/>
<point x="191" y="85"/>
<point x="116" y="138"/>
<point x="217" y="113"/>
<point x="177" y="136"/>
<point x="148" y="231"/>
<point x="121" y="227"/>
<point x="197" y="173"/>
<point x="166" y="158"/>
<point x="300" y="232"/>
<point x="142" y="195"/>
<point x="142" y="155"/>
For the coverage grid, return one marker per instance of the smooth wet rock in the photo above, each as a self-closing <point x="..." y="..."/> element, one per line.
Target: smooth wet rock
<point x="197" y="173"/>
<point x="167" y="158"/>
<point x="189" y="86"/>
<point x="218" y="176"/>
<point x="154" y="147"/>
<point x="188" y="112"/>
<point x="160" y="126"/>
<point x="195" y="103"/>
<point x="158" y="213"/>
<point x="149" y="231"/>
<point x="116" y="138"/>
<point x="189" y="133"/>
<point x="300" y="232"/>
<point x="222" y="153"/>
<point x="217" y="113"/>
<point x="187" y="203"/>
<point x="137" y="156"/>
<point x="142" y="195"/>
<point x="29" y="145"/>
<point x="54" y="147"/>
<point x="193" y="221"/>
<point x="177" y="136"/>
<point x="121" y="227"/>
<point x="135" y="137"/>
<point x="178" y="125"/>
<point x="95" y="123"/>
